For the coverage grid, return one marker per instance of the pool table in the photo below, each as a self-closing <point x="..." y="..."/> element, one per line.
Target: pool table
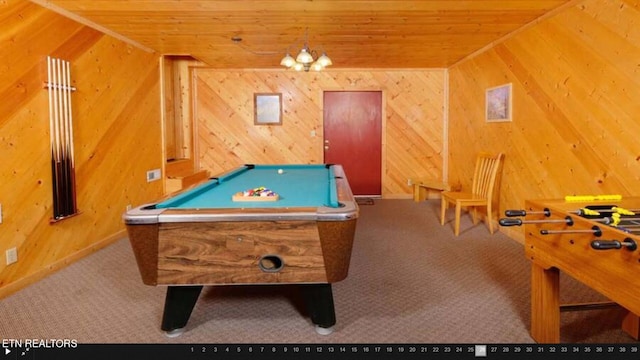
<point x="202" y="236"/>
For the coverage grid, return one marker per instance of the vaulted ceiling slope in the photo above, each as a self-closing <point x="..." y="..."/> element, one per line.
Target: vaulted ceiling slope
<point x="355" y="34"/>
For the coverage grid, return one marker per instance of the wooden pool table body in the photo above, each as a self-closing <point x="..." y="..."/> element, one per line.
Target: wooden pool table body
<point x="182" y="247"/>
<point x="228" y="252"/>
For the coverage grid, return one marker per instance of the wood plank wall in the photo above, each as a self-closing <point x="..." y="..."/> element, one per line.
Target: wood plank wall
<point x="576" y="106"/>
<point x="177" y="106"/>
<point x="413" y="119"/>
<point x="576" y="85"/>
<point x="116" y="116"/>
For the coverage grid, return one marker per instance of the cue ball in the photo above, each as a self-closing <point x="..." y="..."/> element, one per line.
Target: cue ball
<point x="280" y="171"/>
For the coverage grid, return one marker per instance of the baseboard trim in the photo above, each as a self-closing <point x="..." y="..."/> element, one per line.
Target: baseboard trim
<point x="22" y="283"/>
<point x="397" y="196"/>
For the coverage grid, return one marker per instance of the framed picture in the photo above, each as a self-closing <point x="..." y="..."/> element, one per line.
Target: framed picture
<point x="498" y="103"/>
<point x="267" y="109"/>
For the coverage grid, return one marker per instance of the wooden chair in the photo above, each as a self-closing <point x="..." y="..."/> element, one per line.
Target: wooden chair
<point x="481" y="193"/>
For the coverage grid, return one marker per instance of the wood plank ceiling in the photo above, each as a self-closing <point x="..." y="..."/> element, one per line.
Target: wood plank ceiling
<point x="355" y="34"/>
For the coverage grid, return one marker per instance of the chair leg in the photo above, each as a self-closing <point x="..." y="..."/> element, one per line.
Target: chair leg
<point x="474" y="215"/>
<point x="457" y="224"/>
<point x="443" y="209"/>
<point x="489" y="219"/>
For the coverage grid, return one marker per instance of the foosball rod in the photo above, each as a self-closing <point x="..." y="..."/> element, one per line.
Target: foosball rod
<point x="608" y="221"/>
<point x="632" y="230"/>
<point x="614" y="221"/>
<point x="617" y="209"/>
<point x="567" y="220"/>
<point x="622" y="218"/>
<point x="629" y="227"/>
<point x="517" y="222"/>
<point x="582" y="212"/>
<point x="594" y="230"/>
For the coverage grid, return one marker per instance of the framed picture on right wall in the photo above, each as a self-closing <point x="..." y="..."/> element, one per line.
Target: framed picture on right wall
<point x="498" y="104"/>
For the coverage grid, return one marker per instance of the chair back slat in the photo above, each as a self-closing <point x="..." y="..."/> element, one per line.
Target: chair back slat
<point x="485" y="173"/>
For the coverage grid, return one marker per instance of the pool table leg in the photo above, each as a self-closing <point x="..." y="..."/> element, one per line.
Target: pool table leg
<point x="319" y="298"/>
<point x="178" y="305"/>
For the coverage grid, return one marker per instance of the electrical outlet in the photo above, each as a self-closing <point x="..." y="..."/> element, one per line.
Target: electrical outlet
<point x="153" y="175"/>
<point x="409" y="182"/>
<point x="12" y="255"/>
<point x="128" y="207"/>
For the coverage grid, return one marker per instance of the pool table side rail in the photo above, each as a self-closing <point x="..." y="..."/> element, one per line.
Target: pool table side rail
<point x="197" y="189"/>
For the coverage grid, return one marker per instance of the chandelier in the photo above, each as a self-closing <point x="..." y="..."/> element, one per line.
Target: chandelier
<point x="306" y="59"/>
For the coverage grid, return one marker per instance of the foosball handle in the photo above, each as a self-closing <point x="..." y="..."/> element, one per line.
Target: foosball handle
<point x="628" y="243"/>
<point x="510" y="222"/>
<point x="513" y="213"/>
<point x="605" y="244"/>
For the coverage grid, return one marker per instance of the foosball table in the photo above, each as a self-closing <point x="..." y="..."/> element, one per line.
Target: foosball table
<point x="594" y="239"/>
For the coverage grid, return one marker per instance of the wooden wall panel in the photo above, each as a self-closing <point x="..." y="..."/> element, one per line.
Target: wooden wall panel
<point x="413" y="119"/>
<point x="576" y="86"/>
<point x="177" y="100"/>
<point x="116" y="117"/>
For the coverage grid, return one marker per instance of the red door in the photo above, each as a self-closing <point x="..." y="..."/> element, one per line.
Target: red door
<point x="353" y="137"/>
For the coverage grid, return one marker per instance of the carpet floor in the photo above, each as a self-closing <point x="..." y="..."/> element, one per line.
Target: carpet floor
<point x="410" y="281"/>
